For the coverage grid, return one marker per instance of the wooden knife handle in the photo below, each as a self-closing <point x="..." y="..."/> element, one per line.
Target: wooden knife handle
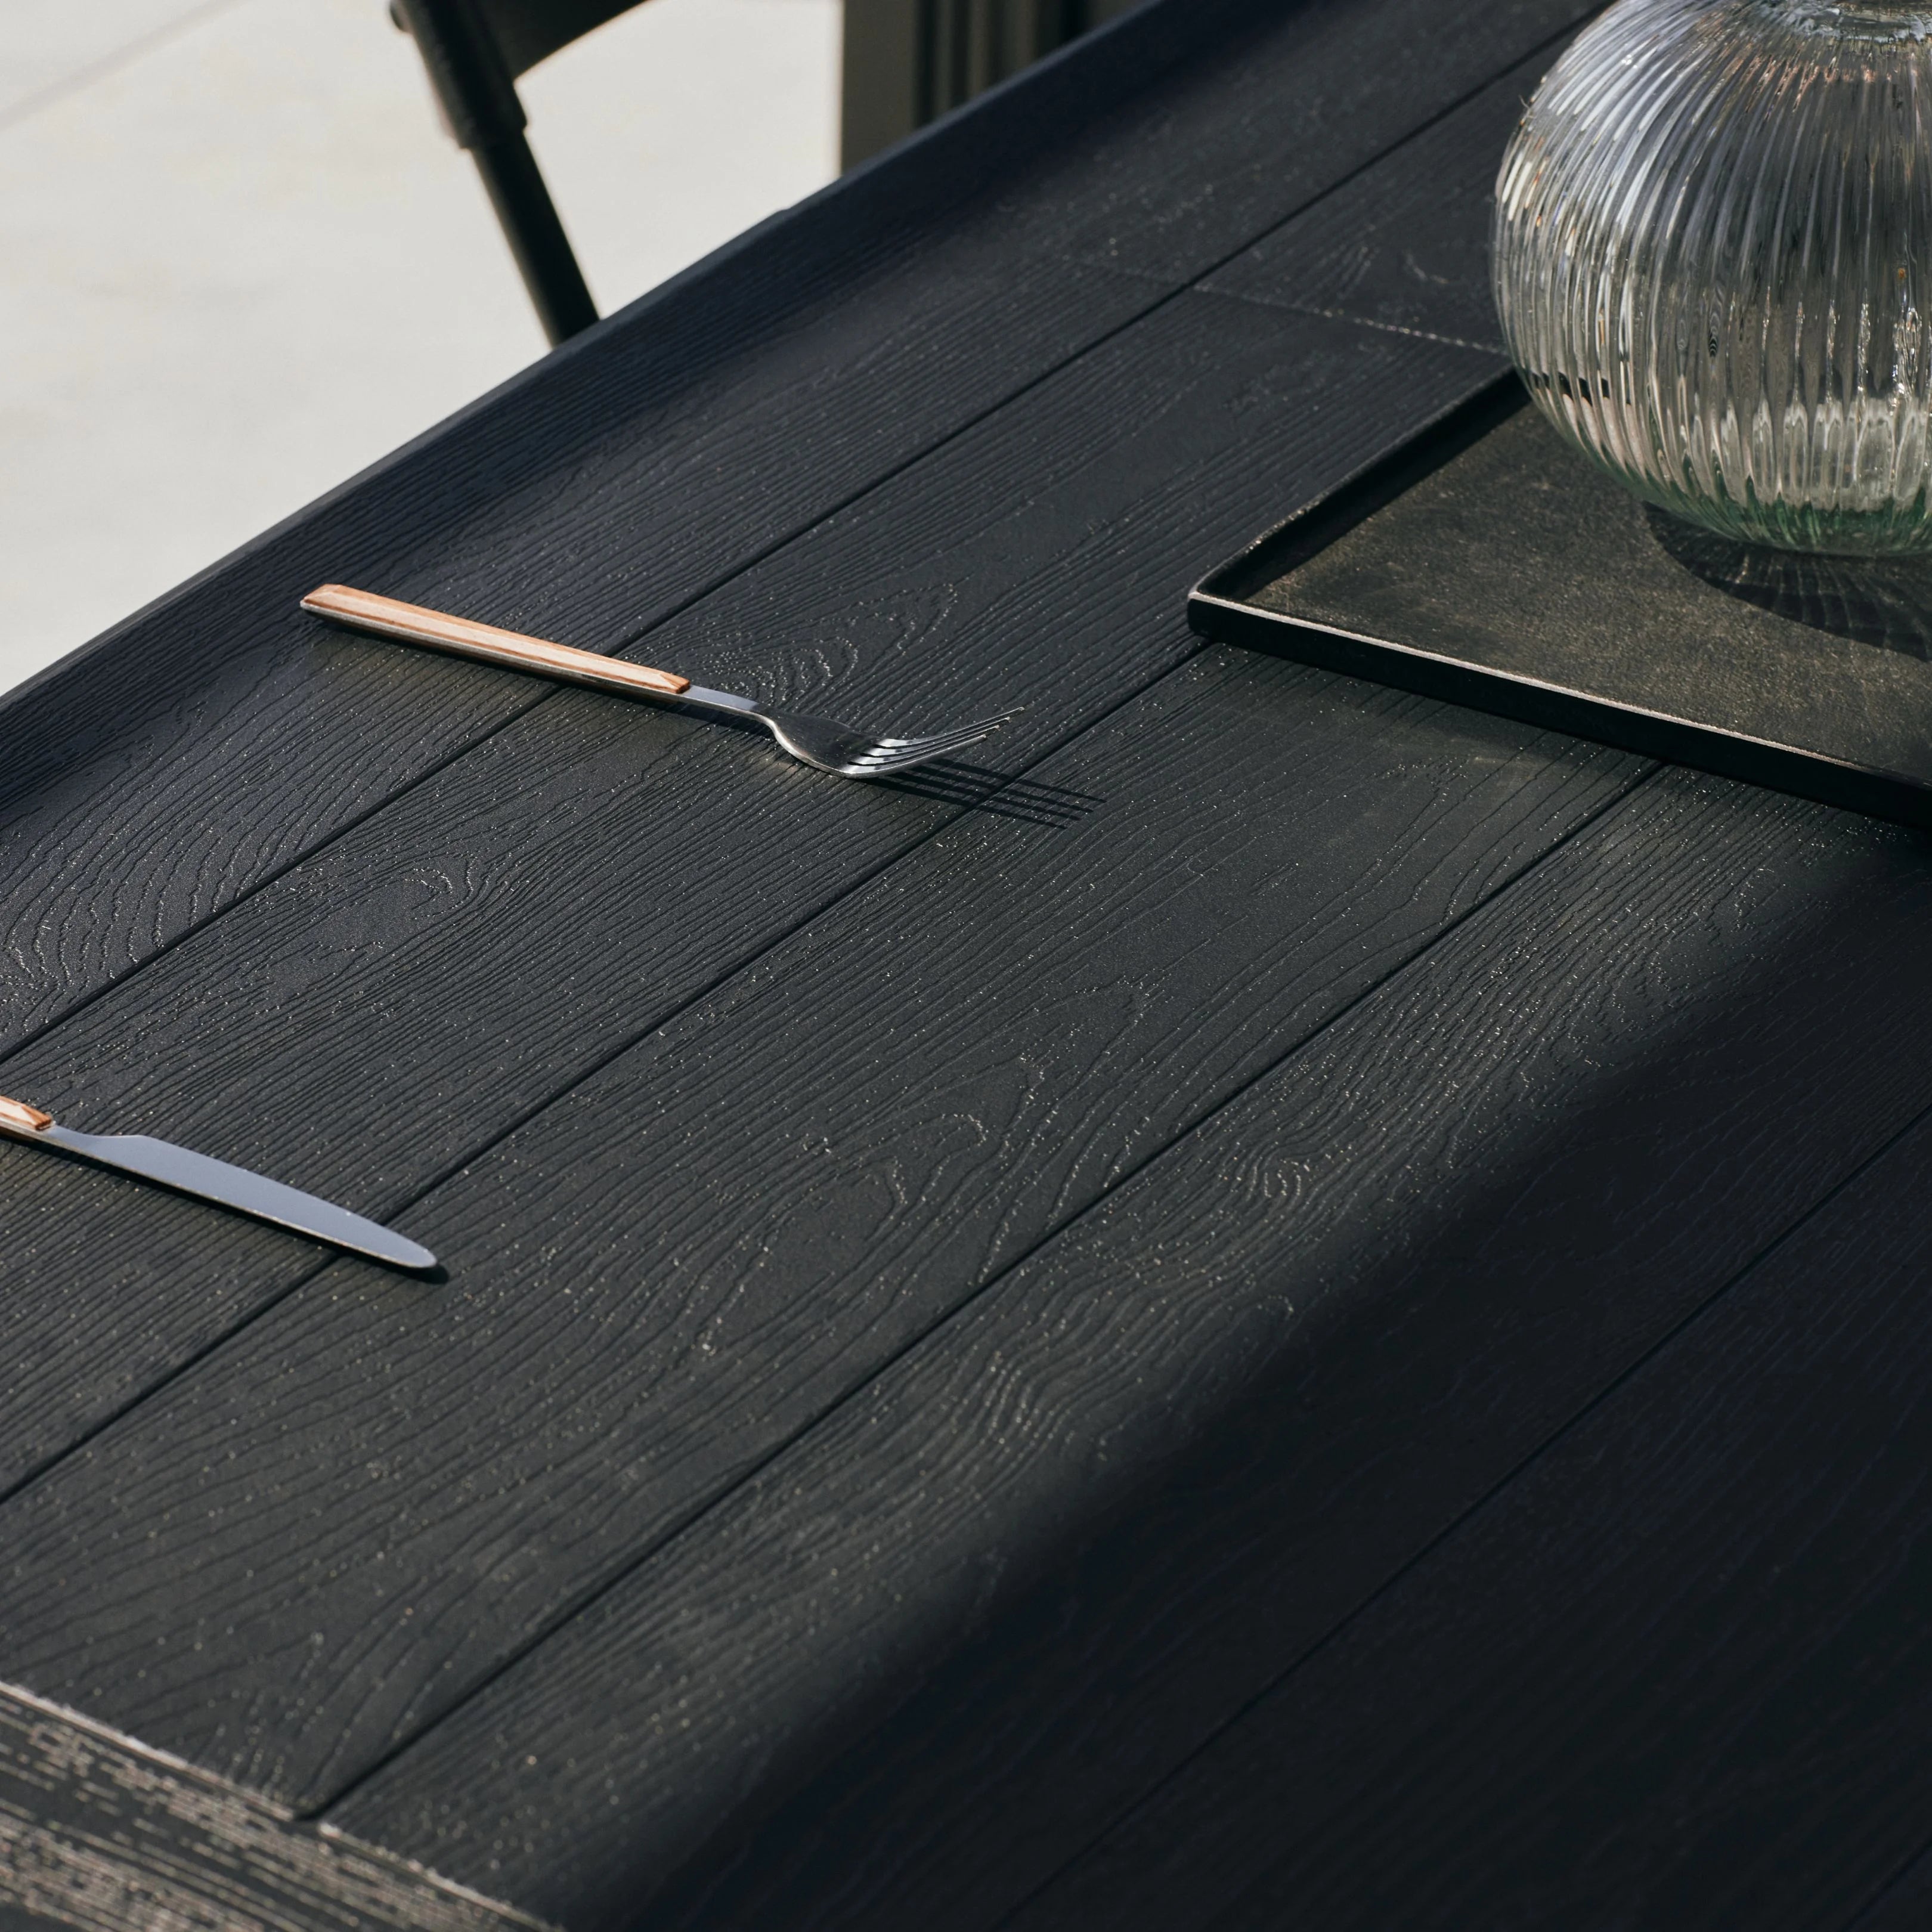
<point x="24" y="1119"/>
<point x="363" y="610"/>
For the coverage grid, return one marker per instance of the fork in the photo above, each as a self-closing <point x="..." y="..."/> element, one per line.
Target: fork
<point x="820" y="742"/>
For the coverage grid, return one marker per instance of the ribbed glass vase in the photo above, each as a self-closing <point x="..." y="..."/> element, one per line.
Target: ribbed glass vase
<point x="1713" y="262"/>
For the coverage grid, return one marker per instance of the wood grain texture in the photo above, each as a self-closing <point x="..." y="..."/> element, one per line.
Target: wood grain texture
<point x="99" y="1833"/>
<point x="1257" y="107"/>
<point x="720" y="1234"/>
<point x="378" y="952"/>
<point x="1363" y="253"/>
<point x="1677" y="1672"/>
<point x="212" y="740"/>
<point x="370" y="1021"/>
<point x="350" y="967"/>
<point x="1042" y="1557"/>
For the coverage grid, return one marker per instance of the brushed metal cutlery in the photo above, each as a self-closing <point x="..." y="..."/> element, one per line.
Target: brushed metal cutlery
<point x="821" y="743"/>
<point x="245" y="1191"/>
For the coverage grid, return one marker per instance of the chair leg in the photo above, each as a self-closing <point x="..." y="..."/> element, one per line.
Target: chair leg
<point x="478" y="94"/>
<point x="535" y="235"/>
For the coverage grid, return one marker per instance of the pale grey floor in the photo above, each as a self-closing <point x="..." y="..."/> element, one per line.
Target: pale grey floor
<point x="241" y="260"/>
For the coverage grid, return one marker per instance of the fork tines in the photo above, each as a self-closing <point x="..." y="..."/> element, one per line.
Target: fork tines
<point x="895" y="754"/>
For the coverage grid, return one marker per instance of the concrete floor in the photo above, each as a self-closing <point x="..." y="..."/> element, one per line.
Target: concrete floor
<point x="242" y="261"/>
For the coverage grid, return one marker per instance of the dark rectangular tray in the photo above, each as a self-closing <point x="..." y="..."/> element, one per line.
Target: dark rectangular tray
<point x="1487" y="563"/>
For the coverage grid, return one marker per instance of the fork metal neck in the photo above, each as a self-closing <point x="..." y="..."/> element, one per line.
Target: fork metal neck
<point x="716" y="700"/>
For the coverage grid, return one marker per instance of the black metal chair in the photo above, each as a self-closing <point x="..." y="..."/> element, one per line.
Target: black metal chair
<point x="474" y="50"/>
<point x="906" y="61"/>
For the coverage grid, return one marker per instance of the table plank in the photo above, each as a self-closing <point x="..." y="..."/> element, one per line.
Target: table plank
<point x="719" y="1234"/>
<point x="125" y="1295"/>
<point x="354" y="966"/>
<point x="393" y="1007"/>
<point x="1375" y="257"/>
<point x="1298" y="89"/>
<point x="1042" y="1557"/>
<point x="1677" y="1672"/>
<point x="494" y="936"/>
<point x="197" y="751"/>
<point x="99" y="1832"/>
<point x="123" y="1302"/>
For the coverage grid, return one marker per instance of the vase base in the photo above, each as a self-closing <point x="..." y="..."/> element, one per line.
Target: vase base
<point x="1903" y="531"/>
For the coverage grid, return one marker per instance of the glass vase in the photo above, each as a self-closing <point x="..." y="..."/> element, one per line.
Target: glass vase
<point x="1713" y="263"/>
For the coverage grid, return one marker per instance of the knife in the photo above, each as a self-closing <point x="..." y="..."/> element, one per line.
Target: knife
<point x="215" y="1181"/>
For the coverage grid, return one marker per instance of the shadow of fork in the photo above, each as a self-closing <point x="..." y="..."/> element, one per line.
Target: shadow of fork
<point x="980" y="788"/>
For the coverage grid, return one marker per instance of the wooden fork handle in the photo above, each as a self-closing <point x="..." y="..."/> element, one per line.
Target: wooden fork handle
<point x="16" y="1116"/>
<point x="411" y="624"/>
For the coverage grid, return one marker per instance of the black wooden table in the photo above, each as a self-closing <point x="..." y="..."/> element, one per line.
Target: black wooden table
<point x="1280" y="1305"/>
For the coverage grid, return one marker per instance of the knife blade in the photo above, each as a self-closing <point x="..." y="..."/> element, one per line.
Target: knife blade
<point x="245" y="1191"/>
